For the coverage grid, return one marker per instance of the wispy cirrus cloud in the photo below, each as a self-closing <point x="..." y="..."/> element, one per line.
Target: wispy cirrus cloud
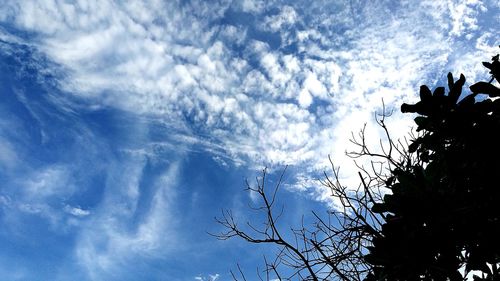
<point x="211" y="277"/>
<point x="128" y="226"/>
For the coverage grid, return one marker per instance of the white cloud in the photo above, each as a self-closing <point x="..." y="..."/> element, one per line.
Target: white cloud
<point x="36" y="193"/>
<point x="305" y="99"/>
<point x="41" y="193"/>
<point x="459" y="18"/>
<point x="259" y="103"/>
<point x="48" y="182"/>
<point x="284" y="19"/>
<point x="252" y="6"/>
<point x="8" y="156"/>
<point x="76" y="211"/>
<point x="120" y="232"/>
<point x="464" y="16"/>
<point x="211" y="277"/>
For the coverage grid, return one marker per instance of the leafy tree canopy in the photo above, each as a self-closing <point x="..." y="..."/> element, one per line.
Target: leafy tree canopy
<point x="444" y="210"/>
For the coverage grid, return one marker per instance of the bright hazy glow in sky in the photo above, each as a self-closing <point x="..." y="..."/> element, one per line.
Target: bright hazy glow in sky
<point x="125" y="126"/>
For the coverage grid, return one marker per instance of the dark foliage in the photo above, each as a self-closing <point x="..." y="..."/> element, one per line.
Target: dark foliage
<point x="444" y="210"/>
<point x="426" y="209"/>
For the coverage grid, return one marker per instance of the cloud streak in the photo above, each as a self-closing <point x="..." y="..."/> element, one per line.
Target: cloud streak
<point x="120" y="233"/>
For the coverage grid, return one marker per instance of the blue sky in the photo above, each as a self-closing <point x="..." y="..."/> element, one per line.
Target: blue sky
<point x="125" y="126"/>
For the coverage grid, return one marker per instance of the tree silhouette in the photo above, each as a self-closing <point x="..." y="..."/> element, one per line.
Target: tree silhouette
<point x="443" y="213"/>
<point x="431" y="214"/>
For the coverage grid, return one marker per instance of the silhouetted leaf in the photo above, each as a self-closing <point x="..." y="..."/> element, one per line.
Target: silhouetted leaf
<point x="450" y="81"/>
<point x="485" y="88"/>
<point x="488" y="65"/>
<point x="439" y="92"/>
<point x="456" y="90"/>
<point x="379" y="208"/>
<point x="425" y="94"/>
<point x="421" y="122"/>
<point x="413" y="146"/>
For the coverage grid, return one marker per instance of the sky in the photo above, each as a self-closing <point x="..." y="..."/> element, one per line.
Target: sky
<point x="126" y="126"/>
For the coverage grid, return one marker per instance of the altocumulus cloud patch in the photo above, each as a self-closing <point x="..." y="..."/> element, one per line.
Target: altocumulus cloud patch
<point x="270" y="89"/>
